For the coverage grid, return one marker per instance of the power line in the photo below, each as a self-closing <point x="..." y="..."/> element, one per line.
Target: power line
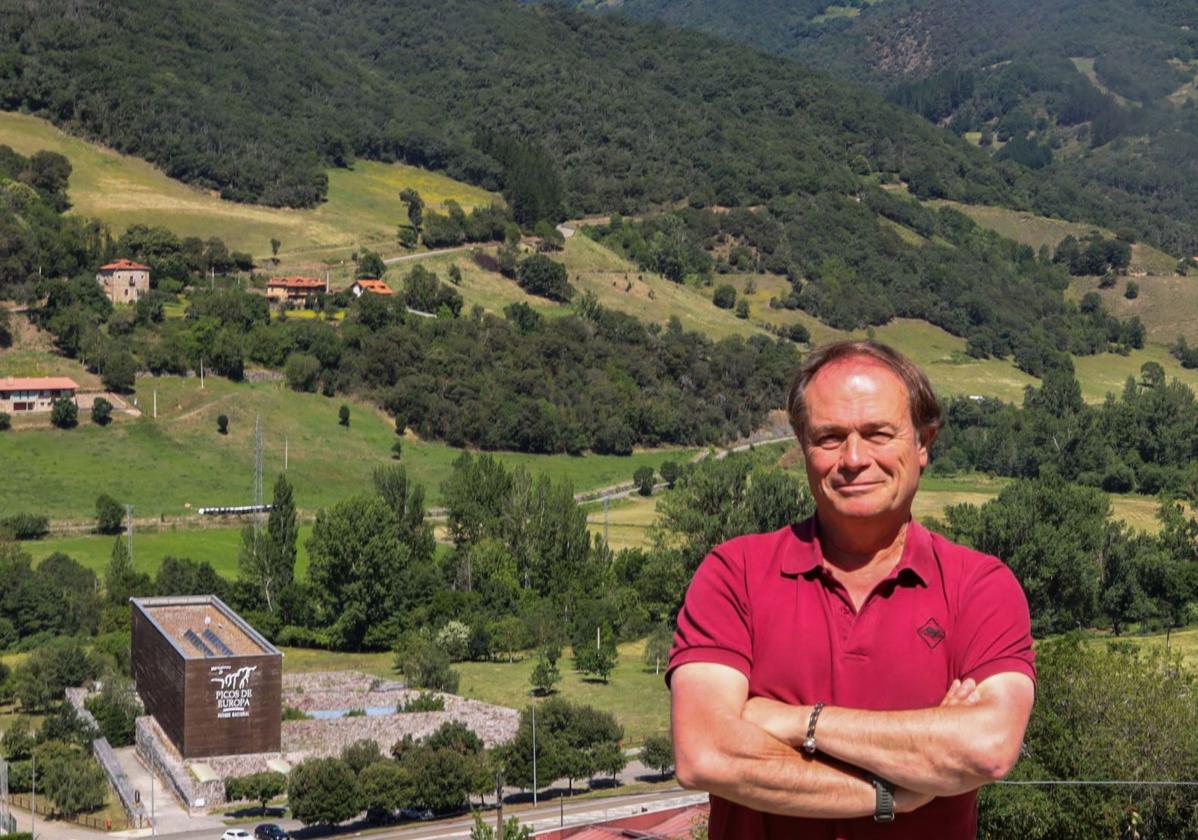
<point x="1101" y="782"/>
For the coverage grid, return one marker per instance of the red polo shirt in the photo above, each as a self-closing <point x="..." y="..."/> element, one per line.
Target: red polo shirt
<point x="762" y="604"/>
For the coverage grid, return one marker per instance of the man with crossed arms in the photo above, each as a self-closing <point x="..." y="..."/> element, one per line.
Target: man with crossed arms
<point x="854" y="675"/>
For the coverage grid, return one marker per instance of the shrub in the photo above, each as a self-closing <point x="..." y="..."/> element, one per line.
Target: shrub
<point x="222" y="424"/>
<point x="292" y="713"/>
<point x="742" y="309"/>
<point x="5" y="422"/>
<point x="101" y="411"/>
<point x="110" y="514"/>
<point x="1132" y="291"/>
<point x="454" y="639"/>
<point x="302" y="372"/>
<point x="25" y="526"/>
<point x="65" y="414"/>
<point x="425" y="701"/>
<point x="644" y="480"/>
<point x="724" y="297"/>
<point x="427" y="666"/>
<point x="343" y="415"/>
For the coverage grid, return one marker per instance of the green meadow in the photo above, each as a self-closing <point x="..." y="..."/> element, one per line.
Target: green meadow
<point x="172" y="465"/>
<point x="362" y="210"/>
<point x="635" y="694"/>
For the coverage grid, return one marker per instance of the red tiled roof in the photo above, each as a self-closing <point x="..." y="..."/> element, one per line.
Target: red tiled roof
<point x="37" y="383"/>
<point x="369" y="284"/>
<point x="295" y="283"/>
<point x="117" y="265"/>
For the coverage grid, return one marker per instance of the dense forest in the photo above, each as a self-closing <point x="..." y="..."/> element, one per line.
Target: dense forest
<point x="1121" y="142"/>
<point x="256" y="100"/>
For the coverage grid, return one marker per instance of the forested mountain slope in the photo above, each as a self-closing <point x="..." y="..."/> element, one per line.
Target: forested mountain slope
<point x="254" y="99"/>
<point x="1098" y="95"/>
<point x="569" y="113"/>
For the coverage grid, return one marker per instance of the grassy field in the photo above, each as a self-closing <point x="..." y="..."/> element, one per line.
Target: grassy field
<point x="1030" y="229"/>
<point x="363" y="204"/>
<point x="218" y="546"/>
<point x="179" y="462"/>
<point x="627" y="520"/>
<point x="635" y="694"/>
<point x="1166" y="303"/>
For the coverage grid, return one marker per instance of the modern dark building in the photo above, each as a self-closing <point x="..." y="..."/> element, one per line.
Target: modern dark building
<point x="212" y="682"/>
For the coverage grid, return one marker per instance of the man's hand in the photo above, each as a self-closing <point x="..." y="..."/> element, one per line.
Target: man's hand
<point x="972" y="737"/>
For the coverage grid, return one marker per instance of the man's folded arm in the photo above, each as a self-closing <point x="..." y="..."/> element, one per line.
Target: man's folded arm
<point x="716" y="750"/>
<point x="943" y="751"/>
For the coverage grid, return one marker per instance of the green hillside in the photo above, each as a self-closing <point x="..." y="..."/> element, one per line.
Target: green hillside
<point x="363" y="206"/>
<point x="485" y="91"/>
<point x="179" y="462"/>
<point x="1093" y="96"/>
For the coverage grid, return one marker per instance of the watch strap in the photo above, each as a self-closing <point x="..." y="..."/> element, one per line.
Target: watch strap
<point x="883" y="799"/>
<point x="809" y="741"/>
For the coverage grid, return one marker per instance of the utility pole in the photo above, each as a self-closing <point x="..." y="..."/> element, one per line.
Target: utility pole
<point x="129" y="516"/>
<point x="284" y="453"/>
<point x="606" y="503"/>
<point x="33" y="805"/>
<point x="201" y="373"/>
<point x="534" y="753"/>
<point x="155" y="403"/>
<point x="499" y="805"/>
<point x="257" y="480"/>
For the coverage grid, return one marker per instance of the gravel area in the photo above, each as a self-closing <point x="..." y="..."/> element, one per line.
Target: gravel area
<point x="331" y="690"/>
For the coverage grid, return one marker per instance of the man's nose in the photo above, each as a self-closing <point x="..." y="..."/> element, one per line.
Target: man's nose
<point x="855" y="455"/>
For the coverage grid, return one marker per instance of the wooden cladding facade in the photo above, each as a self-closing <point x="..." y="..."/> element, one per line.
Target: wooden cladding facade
<point x="255" y="727"/>
<point x="159" y="674"/>
<point x="207" y="705"/>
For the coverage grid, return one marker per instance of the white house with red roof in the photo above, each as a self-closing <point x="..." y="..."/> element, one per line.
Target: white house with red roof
<point x="372" y="285"/>
<point x="124" y="281"/>
<point x="21" y="395"/>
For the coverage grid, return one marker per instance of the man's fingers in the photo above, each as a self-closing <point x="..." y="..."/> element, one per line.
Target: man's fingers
<point x="961" y="693"/>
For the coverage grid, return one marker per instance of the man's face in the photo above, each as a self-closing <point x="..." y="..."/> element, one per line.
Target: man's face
<point x="863" y="453"/>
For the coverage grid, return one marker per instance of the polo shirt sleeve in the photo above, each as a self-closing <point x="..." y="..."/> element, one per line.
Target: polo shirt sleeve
<point x="994" y="625"/>
<point x="714" y="623"/>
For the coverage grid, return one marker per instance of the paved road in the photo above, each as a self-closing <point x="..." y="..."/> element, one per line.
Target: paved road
<point x="434" y="253"/>
<point x="548" y="814"/>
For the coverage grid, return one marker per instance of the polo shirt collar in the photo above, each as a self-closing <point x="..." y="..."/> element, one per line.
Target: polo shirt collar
<point x="807" y="556"/>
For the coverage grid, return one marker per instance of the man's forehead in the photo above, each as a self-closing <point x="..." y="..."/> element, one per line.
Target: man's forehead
<point x="857" y="377"/>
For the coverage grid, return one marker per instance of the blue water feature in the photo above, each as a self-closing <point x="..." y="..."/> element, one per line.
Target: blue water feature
<point x="333" y="714"/>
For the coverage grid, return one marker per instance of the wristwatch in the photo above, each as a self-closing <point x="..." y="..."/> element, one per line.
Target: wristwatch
<point x="884" y="799"/>
<point x="808" y="745"/>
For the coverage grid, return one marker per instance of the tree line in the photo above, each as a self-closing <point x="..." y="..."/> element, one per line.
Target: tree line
<point x="851" y="271"/>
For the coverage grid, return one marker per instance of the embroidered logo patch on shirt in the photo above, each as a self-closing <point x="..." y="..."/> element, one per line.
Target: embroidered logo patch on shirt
<point x="931" y="632"/>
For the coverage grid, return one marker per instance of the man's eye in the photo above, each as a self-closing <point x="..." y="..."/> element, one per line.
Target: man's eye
<point x="828" y="441"/>
<point x="880" y="437"/>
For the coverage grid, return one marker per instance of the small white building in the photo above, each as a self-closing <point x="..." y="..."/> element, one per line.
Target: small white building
<point x="124" y="281"/>
<point x="372" y="285"/>
<point x="22" y="395"/>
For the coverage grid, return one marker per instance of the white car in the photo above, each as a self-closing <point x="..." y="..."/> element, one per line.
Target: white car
<point x="236" y="834"/>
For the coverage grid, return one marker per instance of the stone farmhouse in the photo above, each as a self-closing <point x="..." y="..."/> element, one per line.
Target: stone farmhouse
<point x="124" y="281"/>
<point x="22" y="395"/>
<point x="371" y="285"/>
<point x="298" y="291"/>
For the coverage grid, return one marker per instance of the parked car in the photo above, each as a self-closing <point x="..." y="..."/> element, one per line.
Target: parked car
<point x="416" y="814"/>
<point x="270" y="831"/>
<point x="235" y="834"/>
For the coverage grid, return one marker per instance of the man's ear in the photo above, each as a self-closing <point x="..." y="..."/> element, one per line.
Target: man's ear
<point x="927" y="436"/>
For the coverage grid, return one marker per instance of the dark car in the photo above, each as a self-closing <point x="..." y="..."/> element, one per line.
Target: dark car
<point x="270" y="831"/>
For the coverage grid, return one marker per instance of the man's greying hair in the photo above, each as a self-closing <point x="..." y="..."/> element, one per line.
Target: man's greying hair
<point x="925" y="408"/>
